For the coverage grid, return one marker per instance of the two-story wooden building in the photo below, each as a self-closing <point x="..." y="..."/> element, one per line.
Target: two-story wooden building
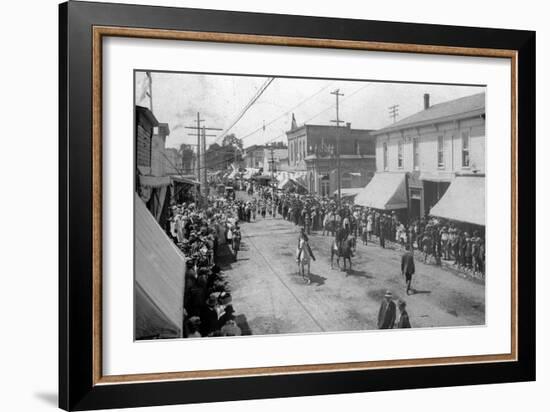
<point x="275" y="159"/>
<point x="426" y="153"/>
<point x="254" y="156"/>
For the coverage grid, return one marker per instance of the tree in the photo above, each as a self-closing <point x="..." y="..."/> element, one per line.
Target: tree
<point x="231" y="140"/>
<point x="219" y="157"/>
<point x="233" y="147"/>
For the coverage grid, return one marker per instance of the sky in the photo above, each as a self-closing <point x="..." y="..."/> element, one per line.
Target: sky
<point x="177" y="97"/>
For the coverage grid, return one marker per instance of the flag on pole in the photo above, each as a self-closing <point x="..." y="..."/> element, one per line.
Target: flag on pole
<point x="144" y="91"/>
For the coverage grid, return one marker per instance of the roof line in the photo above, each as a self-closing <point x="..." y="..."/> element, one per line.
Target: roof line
<point x="442" y="119"/>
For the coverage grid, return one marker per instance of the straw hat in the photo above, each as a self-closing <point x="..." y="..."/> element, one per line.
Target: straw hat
<point x="212" y="300"/>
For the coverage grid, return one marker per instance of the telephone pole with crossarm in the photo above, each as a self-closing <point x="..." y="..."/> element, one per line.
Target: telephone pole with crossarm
<point x="338" y="121"/>
<point x="200" y="168"/>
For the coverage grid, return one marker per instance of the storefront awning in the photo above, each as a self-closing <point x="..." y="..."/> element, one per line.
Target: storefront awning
<point x="286" y="182"/>
<point x="385" y="191"/>
<point x="464" y="201"/>
<point x="154" y="181"/>
<point x="183" y="179"/>
<point x="438" y="176"/>
<point x="159" y="277"/>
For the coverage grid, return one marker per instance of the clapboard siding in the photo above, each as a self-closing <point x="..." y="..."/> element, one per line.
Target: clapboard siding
<point x="143" y="146"/>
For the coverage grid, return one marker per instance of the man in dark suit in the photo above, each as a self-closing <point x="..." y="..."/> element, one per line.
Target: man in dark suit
<point x="382" y="231"/>
<point x="386" y="314"/>
<point x="209" y="316"/>
<point x="407" y="267"/>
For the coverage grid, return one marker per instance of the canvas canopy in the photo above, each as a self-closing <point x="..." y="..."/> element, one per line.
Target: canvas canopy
<point x="285" y="183"/>
<point x="154" y="181"/>
<point x="385" y="191"/>
<point x="159" y="277"/>
<point x="184" y="180"/>
<point x="464" y="201"/>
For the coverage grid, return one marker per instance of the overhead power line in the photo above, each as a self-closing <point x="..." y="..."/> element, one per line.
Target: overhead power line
<point x="248" y="106"/>
<point x="322" y="111"/>
<point x="286" y="113"/>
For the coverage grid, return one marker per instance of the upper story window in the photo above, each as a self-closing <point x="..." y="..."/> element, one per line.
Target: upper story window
<point x="465" y="149"/>
<point x="400" y="154"/>
<point x="416" y="159"/>
<point x="385" y="155"/>
<point x="440" y="153"/>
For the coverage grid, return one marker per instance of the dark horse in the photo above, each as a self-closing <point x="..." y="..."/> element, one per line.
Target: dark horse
<point x="342" y="249"/>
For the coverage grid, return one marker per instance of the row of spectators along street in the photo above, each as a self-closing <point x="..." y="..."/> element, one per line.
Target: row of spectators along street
<point x="209" y="235"/>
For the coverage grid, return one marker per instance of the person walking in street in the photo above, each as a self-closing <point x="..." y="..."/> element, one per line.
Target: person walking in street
<point x="369" y="226"/>
<point x="426" y="246"/>
<point x="327" y="223"/>
<point x="386" y="314"/>
<point x="254" y="209"/>
<point x="404" y="321"/>
<point x="407" y="267"/>
<point x="236" y="241"/>
<point x="364" y="231"/>
<point x="382" y="232"/>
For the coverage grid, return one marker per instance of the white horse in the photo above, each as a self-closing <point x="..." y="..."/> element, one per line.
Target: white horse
<point x="303" y="259"/>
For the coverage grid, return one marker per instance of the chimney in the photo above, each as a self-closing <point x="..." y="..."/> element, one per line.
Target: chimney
<point x="426" y="101"/>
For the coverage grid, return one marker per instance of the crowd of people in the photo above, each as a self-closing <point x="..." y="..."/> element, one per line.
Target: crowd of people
<point x="435" y="238"/>
<point x="201" y="234"/>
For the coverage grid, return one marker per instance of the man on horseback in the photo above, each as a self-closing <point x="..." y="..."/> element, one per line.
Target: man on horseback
<point x="342" y="247"/>
<point x="304" y="255"/>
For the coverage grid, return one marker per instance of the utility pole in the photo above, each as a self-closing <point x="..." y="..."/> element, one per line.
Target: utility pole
<point x="204" y="186"/>
<point x="200" y="168"/>
<point x="394" y="111"/>
<point x="271" y="149"/>
<point x="338" y="121"/>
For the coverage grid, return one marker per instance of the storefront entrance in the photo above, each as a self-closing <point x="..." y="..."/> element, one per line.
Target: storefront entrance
<point x="416" y="209"/>
<point x="433" y="191"/>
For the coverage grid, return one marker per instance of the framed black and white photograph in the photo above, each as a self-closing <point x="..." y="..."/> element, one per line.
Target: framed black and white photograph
<point x="260" y="206"/>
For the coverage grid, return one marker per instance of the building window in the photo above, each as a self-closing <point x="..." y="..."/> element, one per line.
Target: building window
<point x="440" y="159"/>
<point x="416" y="163"/>
<point x="400" y="154"/>
<point x="385" y="155"/>
<point x="465" y="149"/>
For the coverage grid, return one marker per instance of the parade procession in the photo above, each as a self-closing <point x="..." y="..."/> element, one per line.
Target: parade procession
<point x="268" y="205"/>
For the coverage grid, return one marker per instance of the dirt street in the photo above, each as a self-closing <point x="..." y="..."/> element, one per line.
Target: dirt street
<point x="270" y="297"/>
